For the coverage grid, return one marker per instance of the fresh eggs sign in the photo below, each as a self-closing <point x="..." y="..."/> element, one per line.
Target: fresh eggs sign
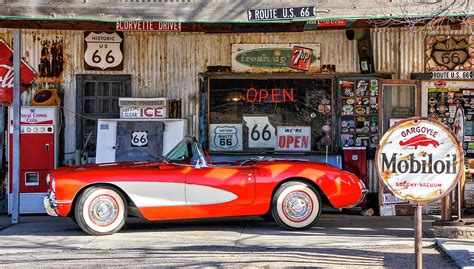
<point x="419" y="159"/>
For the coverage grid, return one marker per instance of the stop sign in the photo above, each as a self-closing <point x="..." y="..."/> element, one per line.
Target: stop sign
<point x="6" y="73"/>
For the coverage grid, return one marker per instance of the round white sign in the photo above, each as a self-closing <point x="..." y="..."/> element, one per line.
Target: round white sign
<point x="419" y="159"/>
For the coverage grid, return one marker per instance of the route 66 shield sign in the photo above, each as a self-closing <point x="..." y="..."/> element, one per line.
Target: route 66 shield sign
<point x="103" y="51"/>
<point x="226" y="137"/>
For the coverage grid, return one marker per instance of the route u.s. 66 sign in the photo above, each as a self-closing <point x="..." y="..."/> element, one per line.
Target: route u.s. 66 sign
<point x="103" y="51"/>
<point x="419" y="159"/>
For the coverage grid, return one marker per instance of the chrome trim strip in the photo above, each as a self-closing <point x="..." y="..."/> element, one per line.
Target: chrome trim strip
<point x="61" y="202"/>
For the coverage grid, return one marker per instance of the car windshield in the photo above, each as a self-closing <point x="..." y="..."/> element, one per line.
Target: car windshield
<point x="185" y="152"/>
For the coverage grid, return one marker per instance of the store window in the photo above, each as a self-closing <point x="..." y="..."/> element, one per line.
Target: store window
<point x="270" y="115"/>
<point x="97" y="98"/>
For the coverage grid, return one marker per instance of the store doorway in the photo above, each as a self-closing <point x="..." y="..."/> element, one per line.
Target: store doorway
<point x="400" y="99"/>
<point x="97" y="98"/>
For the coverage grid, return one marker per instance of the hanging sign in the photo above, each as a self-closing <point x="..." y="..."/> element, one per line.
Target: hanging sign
<point x="261" y="133"/>
<point x="294" y="138"/>
<point x="419" y="159"/>
<point x="103" y="51"/>
<point x="28" y="75"/>
<point x="225" y="137"/>
<point x="148" y="26"/>
<point x="285" y="13"/>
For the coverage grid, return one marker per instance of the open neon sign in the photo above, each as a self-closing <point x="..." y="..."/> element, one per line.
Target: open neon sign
<point x="276" y="95"/>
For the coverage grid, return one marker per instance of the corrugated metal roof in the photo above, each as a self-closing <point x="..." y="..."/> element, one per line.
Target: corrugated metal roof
<point x="221" y="10"/>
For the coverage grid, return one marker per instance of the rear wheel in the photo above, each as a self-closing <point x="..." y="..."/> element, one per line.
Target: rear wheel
<point x="296" y="205"/>
<point x="100" y="211"/>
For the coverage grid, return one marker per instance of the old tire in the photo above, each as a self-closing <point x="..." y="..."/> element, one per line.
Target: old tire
<point x="296" y="206"/>
<point x="100" y="210"/>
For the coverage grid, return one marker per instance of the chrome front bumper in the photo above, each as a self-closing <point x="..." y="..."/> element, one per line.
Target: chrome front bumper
<point x="365" y="191"/>
<point x="49" y="206"/>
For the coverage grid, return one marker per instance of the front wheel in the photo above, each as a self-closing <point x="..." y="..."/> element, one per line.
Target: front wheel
<point x="296" y="206"/>
<point x="100" y="211"/>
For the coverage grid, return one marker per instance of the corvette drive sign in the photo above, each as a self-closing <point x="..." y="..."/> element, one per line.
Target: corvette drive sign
<point x="419" y="159"/>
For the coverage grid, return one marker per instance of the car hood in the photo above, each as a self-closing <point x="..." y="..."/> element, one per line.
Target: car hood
<point x="107" y="166"/>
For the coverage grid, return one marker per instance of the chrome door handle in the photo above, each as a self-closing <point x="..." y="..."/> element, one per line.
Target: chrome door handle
<point x="248" y="174"/>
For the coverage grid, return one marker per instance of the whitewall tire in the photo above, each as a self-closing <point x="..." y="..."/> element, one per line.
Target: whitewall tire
<point x="100" y="210"/>
<point x="296" y="206"/>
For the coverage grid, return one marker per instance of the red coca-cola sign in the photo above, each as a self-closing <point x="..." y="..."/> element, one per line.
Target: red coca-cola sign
<point x="6" y="73"/>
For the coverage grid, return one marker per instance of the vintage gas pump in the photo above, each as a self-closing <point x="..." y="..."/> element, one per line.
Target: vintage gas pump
<point x="39" y="154"/>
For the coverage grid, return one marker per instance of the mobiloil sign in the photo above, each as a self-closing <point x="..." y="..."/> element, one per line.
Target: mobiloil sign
<point x="419" y="160"/>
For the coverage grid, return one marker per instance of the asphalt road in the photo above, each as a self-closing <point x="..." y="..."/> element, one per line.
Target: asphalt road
<point x="337" y="241"/>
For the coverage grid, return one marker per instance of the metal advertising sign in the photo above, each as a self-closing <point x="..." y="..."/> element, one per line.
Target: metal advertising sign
<point x="225" y="137"/>
<point x="294" y="138"/>
<point x="285" y="13"/>
<point x="36" y="115"/>
<point x="420" y="160"/>
<point x="6" y="73"/>
<point x="276" y="57"/>
<point x="142" y="112"/>
<point x="301" y="58"/>
<point x="143" y="108"/>
<point x="103" y="51"/>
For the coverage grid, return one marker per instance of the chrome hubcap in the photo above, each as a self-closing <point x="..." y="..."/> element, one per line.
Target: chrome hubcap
<point x="297" y="206"/>
<point x="103" y="210"/>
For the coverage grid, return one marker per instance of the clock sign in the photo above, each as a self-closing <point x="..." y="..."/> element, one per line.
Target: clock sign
<point x="103" y="51"/>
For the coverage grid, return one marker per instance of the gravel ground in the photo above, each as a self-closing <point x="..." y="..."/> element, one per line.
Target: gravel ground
<point x="198" y="257"/>
<point x="338" y="241"/>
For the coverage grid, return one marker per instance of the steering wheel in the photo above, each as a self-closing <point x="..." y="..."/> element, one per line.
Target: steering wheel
<point x="246" y="161"/>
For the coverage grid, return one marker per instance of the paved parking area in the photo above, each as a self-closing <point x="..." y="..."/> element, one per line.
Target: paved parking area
<point x="338" y="240"/>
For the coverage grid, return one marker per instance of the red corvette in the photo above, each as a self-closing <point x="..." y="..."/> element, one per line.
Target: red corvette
<point x="186" y="185"/>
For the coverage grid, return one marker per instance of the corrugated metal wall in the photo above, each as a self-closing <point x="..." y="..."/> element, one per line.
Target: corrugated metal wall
<point x="401" y="51"/>
<point x="168" y="64"/>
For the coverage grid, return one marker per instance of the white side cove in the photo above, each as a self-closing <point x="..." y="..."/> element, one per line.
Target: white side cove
<point x="152" y="194"/>
<point x="204" y="195"/>
<point x="155" y="194"/>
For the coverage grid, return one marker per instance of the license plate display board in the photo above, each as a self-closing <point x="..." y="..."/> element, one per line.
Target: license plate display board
<point x="359" y="113"/>
<point x="443" y="102"/>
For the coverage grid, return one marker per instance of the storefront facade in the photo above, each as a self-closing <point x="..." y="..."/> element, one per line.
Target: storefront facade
<point x="237" y="111"/>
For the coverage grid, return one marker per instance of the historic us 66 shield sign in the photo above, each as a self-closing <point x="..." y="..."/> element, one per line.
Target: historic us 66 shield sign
<point x="103" y="51"/>
<point x="419" y="159"/>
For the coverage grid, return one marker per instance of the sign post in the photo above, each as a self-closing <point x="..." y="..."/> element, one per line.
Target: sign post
<point x="421" y="160"/>
<point x="16" y="126"/>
